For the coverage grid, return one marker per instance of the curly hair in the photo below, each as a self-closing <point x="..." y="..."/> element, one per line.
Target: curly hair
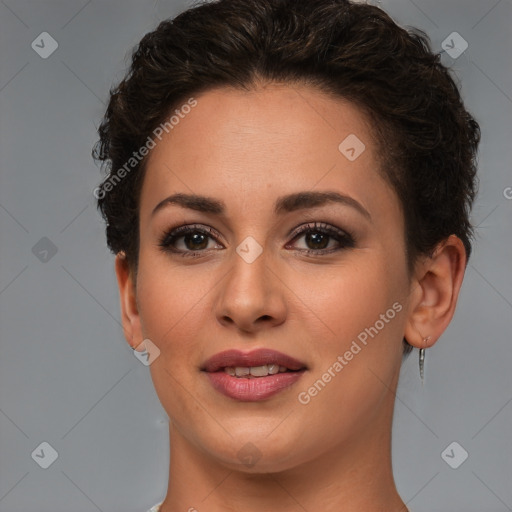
<point x="427" y="141"/>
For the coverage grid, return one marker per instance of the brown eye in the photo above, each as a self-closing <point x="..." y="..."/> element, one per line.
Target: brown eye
<point x="317" y="240"/>
<point x="195" y="241"/>
<point x="189" y="240"/>
<point x="321" y="238"/>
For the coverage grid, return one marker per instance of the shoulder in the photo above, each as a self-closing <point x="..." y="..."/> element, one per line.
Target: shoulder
<point x="156" y="508"/>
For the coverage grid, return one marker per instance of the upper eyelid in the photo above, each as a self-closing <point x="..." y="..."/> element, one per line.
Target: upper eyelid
<point x="320" y="226"/>
<point x="180" y="231"/>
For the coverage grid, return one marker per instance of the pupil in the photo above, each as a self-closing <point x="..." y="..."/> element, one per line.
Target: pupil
<point x="197" y="240"/>
<point x="318" y="240"/>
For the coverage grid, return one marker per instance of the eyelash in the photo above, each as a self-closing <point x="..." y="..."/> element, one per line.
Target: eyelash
<point x="344" y="238"/>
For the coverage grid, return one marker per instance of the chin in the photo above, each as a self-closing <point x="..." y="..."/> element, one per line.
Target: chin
<point x="252" y="452"/>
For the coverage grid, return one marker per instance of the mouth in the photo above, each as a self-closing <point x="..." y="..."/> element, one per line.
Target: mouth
<point x="258" y="363"/>
<point x="254" y="372"/>
<point x="252" y="376"/>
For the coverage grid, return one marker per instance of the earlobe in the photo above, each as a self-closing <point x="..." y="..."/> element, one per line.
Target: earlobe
<point x="435" y="290"/>
<point x="129" y="310"/>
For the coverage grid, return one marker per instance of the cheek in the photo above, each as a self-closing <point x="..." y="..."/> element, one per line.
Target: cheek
<point x="359" y="351"/>
<point x="347" y="299"/>
<point x="169" y="291"/>
<point x="175" y="311"/>
<point x="171" y="304"/>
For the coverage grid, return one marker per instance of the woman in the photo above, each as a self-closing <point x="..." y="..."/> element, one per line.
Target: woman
<point x="288" y="191"/>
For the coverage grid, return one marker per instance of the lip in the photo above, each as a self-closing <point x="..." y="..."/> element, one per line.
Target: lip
<point x="257" y="357"/>
<point x="254" y="389"/>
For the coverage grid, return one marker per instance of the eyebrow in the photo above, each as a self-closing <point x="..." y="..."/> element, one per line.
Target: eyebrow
<point x="284" y="204"/>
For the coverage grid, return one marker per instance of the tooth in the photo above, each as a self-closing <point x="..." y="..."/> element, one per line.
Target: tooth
<point x="259" y="371"/>
<point x="273" y="369"/>
<point x="255" y="371"/>
<point x="242" y="371"/>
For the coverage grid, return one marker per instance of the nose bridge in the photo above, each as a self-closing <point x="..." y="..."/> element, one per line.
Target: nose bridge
<point x="251" y="293"/>
<point x="249" y="272"/>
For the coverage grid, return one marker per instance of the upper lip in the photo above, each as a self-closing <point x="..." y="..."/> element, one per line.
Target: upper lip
<point x="259" y="357"/>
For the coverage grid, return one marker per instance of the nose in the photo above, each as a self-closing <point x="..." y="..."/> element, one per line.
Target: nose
<point x="251" y="297"/>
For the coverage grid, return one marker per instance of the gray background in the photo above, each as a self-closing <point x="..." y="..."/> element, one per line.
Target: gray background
<point x="67" y="376"/>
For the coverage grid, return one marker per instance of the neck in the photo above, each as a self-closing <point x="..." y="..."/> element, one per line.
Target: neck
<point x="352" y="476"/>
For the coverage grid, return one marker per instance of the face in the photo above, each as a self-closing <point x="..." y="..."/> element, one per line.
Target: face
<point x="320" y="277"/>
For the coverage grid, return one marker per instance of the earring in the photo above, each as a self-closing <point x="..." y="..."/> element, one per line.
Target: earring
<point x="422" y="357"/>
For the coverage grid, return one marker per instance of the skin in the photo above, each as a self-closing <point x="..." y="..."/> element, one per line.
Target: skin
<point x="236" y="147"/>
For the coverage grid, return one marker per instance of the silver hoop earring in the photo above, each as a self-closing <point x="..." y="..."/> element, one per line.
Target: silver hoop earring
<point x="422" y="358"/>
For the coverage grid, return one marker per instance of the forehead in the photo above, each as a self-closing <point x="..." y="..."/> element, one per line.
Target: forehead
<point x="246" y="146"/>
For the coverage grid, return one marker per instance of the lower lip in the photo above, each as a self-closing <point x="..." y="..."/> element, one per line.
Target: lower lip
<point x="252" y="390"/>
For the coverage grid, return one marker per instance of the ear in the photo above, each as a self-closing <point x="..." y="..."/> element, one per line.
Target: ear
<point x="129" y="309"/>
<point x="435" y="290"/>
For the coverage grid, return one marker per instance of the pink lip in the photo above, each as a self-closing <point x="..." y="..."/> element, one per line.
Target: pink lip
<point x="253" y="389"/>
<point x="259" y="357"/>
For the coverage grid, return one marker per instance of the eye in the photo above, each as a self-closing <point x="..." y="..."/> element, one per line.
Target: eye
<point x="321" y="238"/>
<point x="189" y="240"/>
